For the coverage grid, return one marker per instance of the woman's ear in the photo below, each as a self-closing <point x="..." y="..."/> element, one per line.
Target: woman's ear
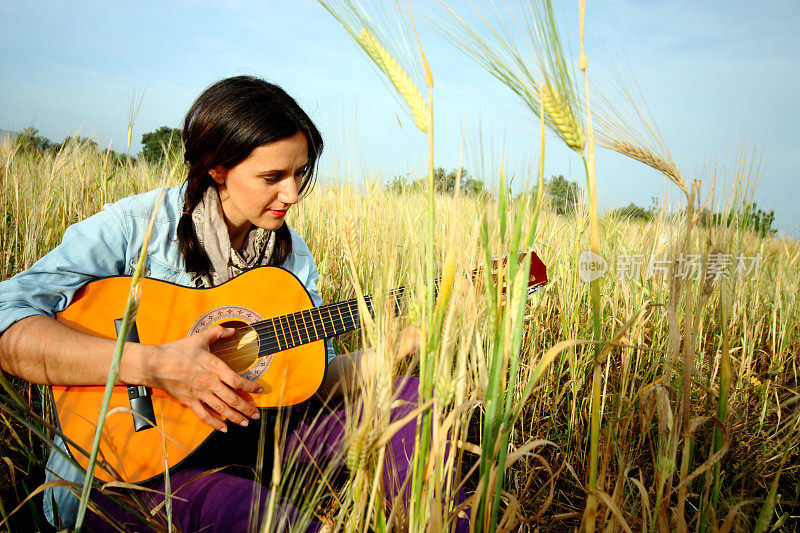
<point x="218" y="174"/>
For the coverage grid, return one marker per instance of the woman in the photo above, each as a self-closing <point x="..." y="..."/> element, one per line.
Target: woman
<point x="251" y="153"/>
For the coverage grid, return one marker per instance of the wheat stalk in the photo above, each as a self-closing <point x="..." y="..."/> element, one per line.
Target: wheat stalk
<point x="399" y="78"/>
<point x="134" y="297"/>
<point x="567" y="126"/>
<point x="646" y="156"/>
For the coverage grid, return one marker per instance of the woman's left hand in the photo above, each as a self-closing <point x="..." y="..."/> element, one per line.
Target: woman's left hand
<point x="347" y="370"/>
<point x="410" y="342"/>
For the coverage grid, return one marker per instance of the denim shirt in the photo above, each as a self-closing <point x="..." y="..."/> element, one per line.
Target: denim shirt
<point x="108" y="244"/>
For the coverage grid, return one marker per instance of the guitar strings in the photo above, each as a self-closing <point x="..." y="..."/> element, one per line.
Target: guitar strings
<point x="311" y="324"/>
<point x="315" y="316"/>
<point x="271" y="342"/>
<point x="339" y="326"/>
<point x="305" y="330"/>
<point x="317" y="322"/>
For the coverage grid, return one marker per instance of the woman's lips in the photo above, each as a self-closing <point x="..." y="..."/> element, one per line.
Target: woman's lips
<point x="277" y="212"/>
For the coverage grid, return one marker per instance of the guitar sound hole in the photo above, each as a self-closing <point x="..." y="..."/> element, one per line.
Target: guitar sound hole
<point x="239" y="351"/>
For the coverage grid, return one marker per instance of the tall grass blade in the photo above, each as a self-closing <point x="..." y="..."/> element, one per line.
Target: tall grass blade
<point x="127" y="322"/>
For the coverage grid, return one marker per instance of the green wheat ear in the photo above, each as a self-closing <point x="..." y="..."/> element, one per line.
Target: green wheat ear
<point x="401" y="81"/>
<point x="563" y="118"/>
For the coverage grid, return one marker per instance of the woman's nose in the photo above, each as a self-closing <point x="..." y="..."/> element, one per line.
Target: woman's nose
<point x="287" y="193"/>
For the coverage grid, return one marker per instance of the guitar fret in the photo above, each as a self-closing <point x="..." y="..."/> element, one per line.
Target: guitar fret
<point x="322" y="323"/>
<point x="277" y="335"/>
<point x="350" y="310"/>
<point x="305" y="325"/>
<point x="283" y="332"/>
<point x="299" y="329"/>
<point x="293" y="330"/>
<point x="333" y="324"/>
<point x="349" y="317"/>
<point x="339" y="308"/>
<point x="397" y="297"/>
<point x="289" y="327"/>
<point x="313" y="324"/>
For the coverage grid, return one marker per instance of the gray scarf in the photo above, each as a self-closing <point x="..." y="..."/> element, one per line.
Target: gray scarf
<point x="212" y="232"/>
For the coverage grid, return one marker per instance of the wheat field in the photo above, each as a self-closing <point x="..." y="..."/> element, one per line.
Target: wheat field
<point x="650" y="385"/>
<point x="742" y="326"/>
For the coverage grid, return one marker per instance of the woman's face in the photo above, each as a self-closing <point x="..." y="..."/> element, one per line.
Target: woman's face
<point x="262" y="187"/>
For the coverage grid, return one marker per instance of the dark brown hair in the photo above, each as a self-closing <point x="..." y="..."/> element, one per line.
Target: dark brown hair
<point x="225" y="124"/>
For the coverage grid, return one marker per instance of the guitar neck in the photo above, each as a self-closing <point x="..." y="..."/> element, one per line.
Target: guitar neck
<point x="287" y="331"/>
<point x="309" y="325"/>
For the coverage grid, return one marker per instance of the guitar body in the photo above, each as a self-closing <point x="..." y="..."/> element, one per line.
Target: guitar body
<point x="168" y="313"/>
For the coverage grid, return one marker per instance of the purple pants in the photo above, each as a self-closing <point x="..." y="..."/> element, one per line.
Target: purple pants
<point x="223" y="501"/>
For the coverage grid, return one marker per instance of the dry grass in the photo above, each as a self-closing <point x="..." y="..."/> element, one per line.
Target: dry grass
<point x="380" y="246"/>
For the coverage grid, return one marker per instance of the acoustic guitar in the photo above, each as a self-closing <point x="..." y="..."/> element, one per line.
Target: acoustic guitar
<point x="279" y="342"/>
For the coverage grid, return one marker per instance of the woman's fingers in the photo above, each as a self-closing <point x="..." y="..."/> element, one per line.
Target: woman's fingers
<point x="221" y="395"/>
<point x="219" y="367"/>
<point x="204" y="382"/>
<point x="231" y="378"/>
<point x="223" y="410"/>
<point x="235" y="404"/>
<point x="215" y="333"/>
<point x="207" y="416"/>
<point x="214" y="410"/>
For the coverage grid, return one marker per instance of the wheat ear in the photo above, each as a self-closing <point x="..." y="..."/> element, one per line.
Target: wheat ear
<point x="643" y="155"/>
<point x="401" y="81"/>
<point x="359" y="448"/>
<point x="567" y="126"/>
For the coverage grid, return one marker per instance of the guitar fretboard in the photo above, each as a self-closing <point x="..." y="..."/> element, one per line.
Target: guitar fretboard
<point x="309" y="325"/>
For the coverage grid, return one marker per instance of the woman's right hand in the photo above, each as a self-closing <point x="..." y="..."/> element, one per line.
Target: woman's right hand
<point x="188" y="371"/>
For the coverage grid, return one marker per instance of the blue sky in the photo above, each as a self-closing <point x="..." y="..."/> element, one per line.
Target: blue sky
<point x="711" y="72"/>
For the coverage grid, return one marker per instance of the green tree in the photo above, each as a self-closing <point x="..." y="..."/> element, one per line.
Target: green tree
<point x="400" y="184"/>
<point x="759" y="221"/>
<point x="164" y="140"/>
<point x="29" y="140"/>
<point x="564" y="195"/>
<point x="121" y="159"/>
<point x="633" y="211"/>
<point x="77" y="140"/>
<point x="748" y="217"/>
<point x="444" y="182"/>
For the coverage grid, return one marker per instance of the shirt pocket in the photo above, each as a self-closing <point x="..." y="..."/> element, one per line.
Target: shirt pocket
<point x="156" y="269"/>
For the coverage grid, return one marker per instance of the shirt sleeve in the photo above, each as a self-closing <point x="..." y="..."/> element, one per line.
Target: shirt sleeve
<point x="90" y="249"/>
<point x="301" y="263"/>
<point x="93" y="248"/>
